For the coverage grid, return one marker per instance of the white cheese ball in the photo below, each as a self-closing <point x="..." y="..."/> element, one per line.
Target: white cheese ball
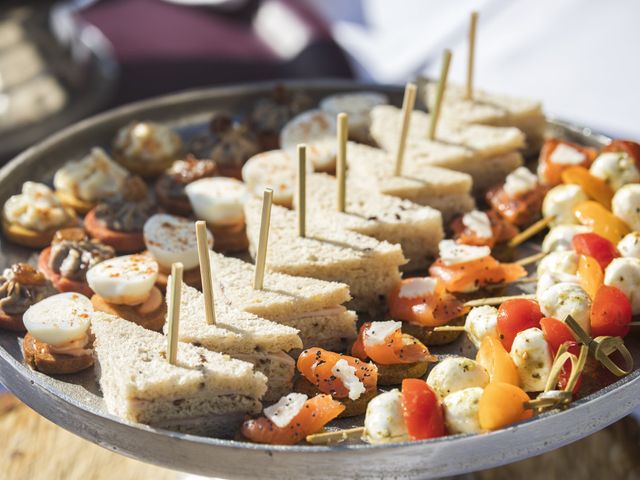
<point x="626" y="205"/>
<point x="549" y="279"/>
<point x="561" y="261"/>
<point x="624" y="274"/>
<point x="560" y="237"/>
<point x="461" y="410"/>
<point x="481" y="322"/>
<point x="530" y="352"/>
<point x="384" y="420"/>
<point x="615" y="168"/>
<point x="560" y="201"/>
<point x="566" y="299"/>
<point x="629" y="246"/>
<point x="456" y="373"/>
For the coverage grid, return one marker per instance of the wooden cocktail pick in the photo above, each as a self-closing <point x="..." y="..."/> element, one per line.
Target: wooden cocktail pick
<point x="175" y="295"/>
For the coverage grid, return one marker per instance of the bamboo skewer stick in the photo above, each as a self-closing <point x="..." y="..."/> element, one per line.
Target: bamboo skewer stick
<point x="341" y="160"/>
<point x="478" y="302"/>
<point x="302" y="190"/>
<point x="531" y="259"/>
<point x="175" y="295"/>
<point x="471" y="54"/>
<point x="530" y="231"/>
<point x="335" y="437"/>
<point x="442" y="84"/>
<point x="205" y="271"/>
<point x="408" y="102"/>
<point x="450" y="328"/>
<point x="261" y="255"/>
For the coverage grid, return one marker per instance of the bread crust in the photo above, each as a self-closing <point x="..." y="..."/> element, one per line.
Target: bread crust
<point x="353" y="408"/>
<point x="153" y="321"/>
<point x="122" y="242"/>
<point x="33" y="238"/>
<point x="63" y="284"/>
<point x="39" y="357"/>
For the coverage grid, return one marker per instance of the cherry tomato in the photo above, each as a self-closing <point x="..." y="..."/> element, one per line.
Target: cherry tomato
<point x="601" y="221"/>
<point x="516" y="315"/>
<point x="627" y="146"/>
<point x="550" y="171"/>
<point x="610" y="313"/>
<point x="596" y="246"/>
<point x="497" y="361"/>
<point x="594" y="187"/>
<point x="502" y="404"/>
<point x="423" y="415"/>
<point x="556" y="333"/>
<point x="565" y="372"/>
<point x="590" y="275"/>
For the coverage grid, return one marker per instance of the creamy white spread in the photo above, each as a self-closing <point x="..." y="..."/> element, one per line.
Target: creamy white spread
<point x="36" y="208"/>
<point x="478" y="223"/>
<point x="286" y="409"/>
<point x="347" y="375"/>
<point x="452" y="253"/>
<point x="147" y="141"/>
<point x="519" y="182"/>
<point x="418" y="287"/>
<point x="566" y="155"/>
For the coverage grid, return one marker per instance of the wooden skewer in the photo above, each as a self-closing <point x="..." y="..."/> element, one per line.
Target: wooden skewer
<point x="205" y="271"/>
<point x="531" y="259"/>
<point x="471" y="54"/>
<point x="478" y="302"/>
<point x="442" y="84"/>
<point x="341" y="160"/>
<point x="450" y="328"/>
<point x="302" y="190"/>
<point x="634" y="324"/>
<point x="521" y="281"/>
<point x="175" y="295"/>
<point x="408" y="102"/>
<point x="261" y="254"/>
<point x="334" y="437"/>
<point x="530" y="231"/>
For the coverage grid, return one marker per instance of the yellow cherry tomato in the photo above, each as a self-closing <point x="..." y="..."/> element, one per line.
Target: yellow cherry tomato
<point x="502" y="404"/>
<point x="593" y="186"/>
<point x="496" y="360"/>
<point x="590" y="275"/>
<point x="601" y="221"/>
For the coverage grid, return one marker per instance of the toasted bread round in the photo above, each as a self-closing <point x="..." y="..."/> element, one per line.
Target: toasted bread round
<point x="152" y="321"/>
<point x="33" y="238"/>
<point x="431" y="338"/>
<point x="77" y="204"/>
<point x="229" y="239"/>
<point x="11" y="322"/>
<point x="39" y="357"/>
<point x="122" y="242"/>
<point x="394" y="374"/>
<point x="143" y="168"/>
<point x="63" y="284"/>
<point x="353" y="408"/>
<point x="190" y="277"/>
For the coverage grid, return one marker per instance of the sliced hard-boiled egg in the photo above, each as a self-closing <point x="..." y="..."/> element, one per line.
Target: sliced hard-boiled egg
<point x="317" y="130"/>
<point x="218" y="200"/>
<point x="125" y="280"/>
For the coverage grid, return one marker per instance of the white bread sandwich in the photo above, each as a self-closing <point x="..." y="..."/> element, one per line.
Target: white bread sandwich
<point x="242" y="335"/>
<point x="486" y="153"/>
<point x="446" y="190"/>
<point x="204" y="393"/>
<point x="491" y="109"/>
<point x="314" y="307"/>
<point x="368" y="266"/>
<point x="417" y="229"/>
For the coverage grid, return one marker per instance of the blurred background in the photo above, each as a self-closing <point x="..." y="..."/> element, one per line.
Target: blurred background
<point x="64" y="61"/>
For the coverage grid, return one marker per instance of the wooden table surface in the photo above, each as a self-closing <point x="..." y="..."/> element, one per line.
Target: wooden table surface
<point x="33" y="448"/>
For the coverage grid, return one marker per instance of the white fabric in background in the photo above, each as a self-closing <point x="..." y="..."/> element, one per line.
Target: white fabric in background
<point x="580" y="57"/>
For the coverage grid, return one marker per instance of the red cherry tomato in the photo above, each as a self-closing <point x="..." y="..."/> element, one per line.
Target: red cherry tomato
<point x="610" y="313"/>
<point x="596" y="246"/>
<point x="565" y="372"/>
<point x="516" y="315"/>
<point x="556" y="333"/>
<point x="423" y="413"/>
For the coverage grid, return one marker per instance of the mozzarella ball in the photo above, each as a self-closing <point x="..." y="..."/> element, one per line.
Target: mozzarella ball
<point x="626" y="205"/>
<point x="560" y="201"/>
<point x="550" y="279"/>
<point x="615" y="168"/>
<point x="481" y="322"/>
<point x="624" y="274"/>
<point x="566" y="299"/>
<point x="560" y="237"/>
<point x="629" y="246"/>
<point x="562" y="261"/>
<point x="456" y="373"/>
<point x="461" y="410"/>
<point x="384" y="421"/>
<point x="530" y="352"/>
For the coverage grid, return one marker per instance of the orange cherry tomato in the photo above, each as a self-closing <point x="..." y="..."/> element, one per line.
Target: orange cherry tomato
<point x="627" y="146"/>
<point x="551" y="172"/>
<point x="590" y="275"/>
<point x="594" y="187"/>
<point x="502" y="404"/>
<point x="596" y="246"/>
<point x="601" y="221"/>
<point x="315" y="414"/>
<point x="520" y="211"/>
<point x="397" y="348"/>
<point x="423" y="415"/>
<point x="555" y="333"/>
<point x="316" y="365"/>
<point x="476" y="274"/>
<point x="497" y="361"/>
<point x="515" y="316"/>
<point x="431" y="310"/>
<point x="610" y="313"/>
